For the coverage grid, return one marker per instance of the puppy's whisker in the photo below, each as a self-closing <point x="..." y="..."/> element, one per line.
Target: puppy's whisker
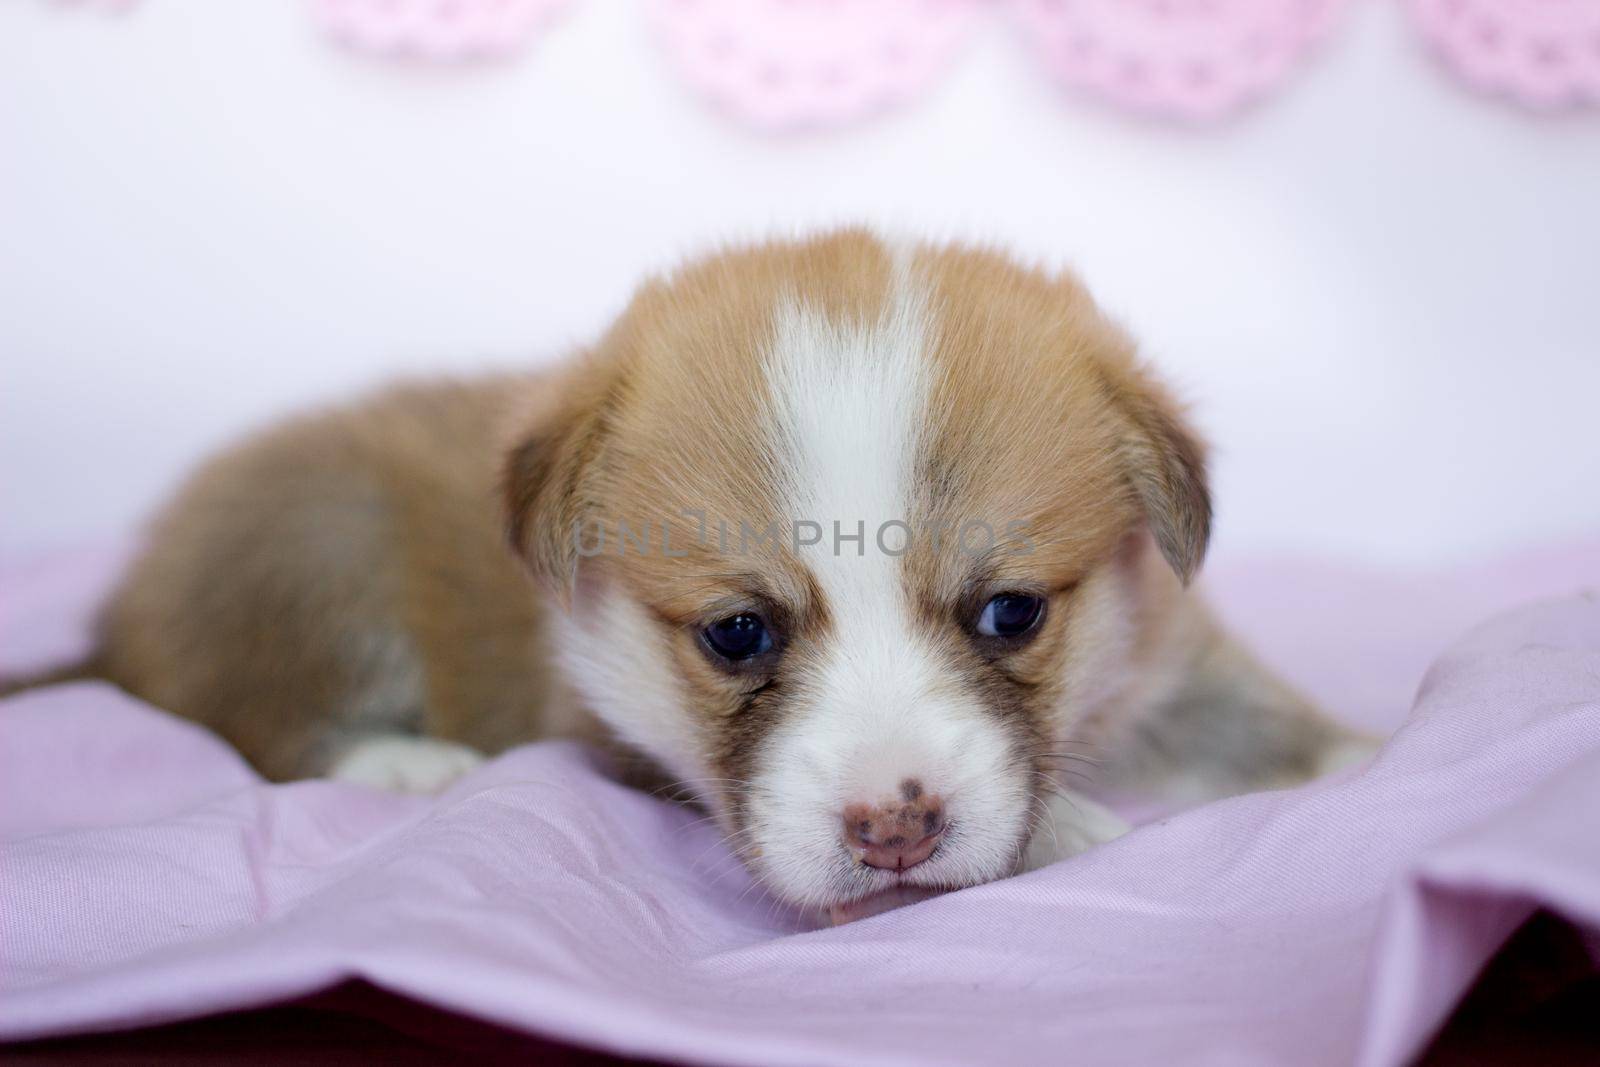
<point x="1043" y="818"/>
<point x="1067" y="754"/>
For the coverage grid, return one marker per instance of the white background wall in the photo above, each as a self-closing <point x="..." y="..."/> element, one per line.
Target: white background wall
<point x="1381" y="291"/>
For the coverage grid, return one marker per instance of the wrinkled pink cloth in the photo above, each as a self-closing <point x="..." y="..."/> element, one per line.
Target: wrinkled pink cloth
<point x="147" y="875"/>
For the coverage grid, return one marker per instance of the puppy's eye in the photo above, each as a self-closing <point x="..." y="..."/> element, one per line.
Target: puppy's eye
<point x="1010" y="615"/>
<point x="738" y="637"/>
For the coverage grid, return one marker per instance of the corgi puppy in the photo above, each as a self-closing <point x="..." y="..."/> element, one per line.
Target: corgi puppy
<point x="877" y="551"/>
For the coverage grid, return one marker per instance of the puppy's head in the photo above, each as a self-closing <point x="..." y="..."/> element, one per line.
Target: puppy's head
<point x="834" y="521"/>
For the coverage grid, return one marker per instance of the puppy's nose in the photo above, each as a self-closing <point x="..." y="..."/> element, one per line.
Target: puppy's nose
<point x="897" y="834"/>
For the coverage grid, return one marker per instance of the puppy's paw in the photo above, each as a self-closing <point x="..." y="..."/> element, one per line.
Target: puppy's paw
<point x="405" y="764"/>
<point x="1075" y="824"/>
<point x="1345" y="754"/>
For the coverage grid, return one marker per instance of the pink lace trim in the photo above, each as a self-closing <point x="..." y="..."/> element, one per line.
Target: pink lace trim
<point x="1196" y="59"/>
<point x="796" y="62"/>
<point x="782" y="63"/>
<point x="1545" y="53"/>
<point x="435" y="29"/>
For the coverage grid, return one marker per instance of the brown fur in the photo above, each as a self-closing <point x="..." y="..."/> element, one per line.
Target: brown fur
<point x="668" y="419"/>
<point x="340" y="575"/>
<point x="348" y="573"/>
<point x="1041" y="412"/>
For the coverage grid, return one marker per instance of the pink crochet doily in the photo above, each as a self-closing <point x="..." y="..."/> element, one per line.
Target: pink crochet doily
<point x="1194" y="59"/>
<point x="1545" y="53"/>
<point x="435" y="29"/>
<point x="796" y="62"/>
<point x="784" y="63"/>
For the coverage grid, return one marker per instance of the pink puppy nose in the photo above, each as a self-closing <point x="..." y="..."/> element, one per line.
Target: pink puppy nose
<point x="897" y="834"/>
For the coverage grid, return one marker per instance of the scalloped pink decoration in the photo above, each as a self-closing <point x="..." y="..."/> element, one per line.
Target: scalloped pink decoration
<point x="1543" y="53"/>
<point x="435" y="29"/>
<point x="785" y="63"/>
<point x="1192" y="59"/>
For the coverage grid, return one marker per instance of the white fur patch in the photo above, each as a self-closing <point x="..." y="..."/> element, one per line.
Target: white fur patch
<point x="1072" y="824"/>
<point x="848" y="410"/>
<point x="404" y="763"/>
<point x="1346" y="755"/>
<point x="612" y="654"/>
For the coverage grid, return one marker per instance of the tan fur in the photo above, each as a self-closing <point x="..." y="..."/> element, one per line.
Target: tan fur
<point x="349" y="573"/>
<point x="665" y="411"/>
<point x="666" y="420"/>
<point x="340" y="575"/>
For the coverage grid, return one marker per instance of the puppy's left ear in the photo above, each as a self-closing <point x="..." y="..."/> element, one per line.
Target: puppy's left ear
<point x="1166" y="464"/>
<point x="546" y="482"/>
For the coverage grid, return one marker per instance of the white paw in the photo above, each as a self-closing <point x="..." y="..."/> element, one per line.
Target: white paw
<point x="1075" y="824"/>
<point x="1347" y="754"/>
<point x="405" y="764"/>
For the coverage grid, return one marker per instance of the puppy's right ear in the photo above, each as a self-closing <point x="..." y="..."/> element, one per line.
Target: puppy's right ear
<point x="1166" y="466"/>
<point x="545" y="483"/>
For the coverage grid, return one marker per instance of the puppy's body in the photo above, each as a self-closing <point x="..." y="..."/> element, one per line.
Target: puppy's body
<point x="344" y="577"/>
<point x="343" y="584"/>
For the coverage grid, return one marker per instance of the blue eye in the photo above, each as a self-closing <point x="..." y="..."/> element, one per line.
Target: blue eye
<point x="738" y="637"/>
<point x="1010" y="615"/>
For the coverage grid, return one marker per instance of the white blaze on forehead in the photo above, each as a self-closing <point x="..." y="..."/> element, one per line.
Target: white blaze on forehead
<point x="850" y="403"/>
<point x="849" y="407"/>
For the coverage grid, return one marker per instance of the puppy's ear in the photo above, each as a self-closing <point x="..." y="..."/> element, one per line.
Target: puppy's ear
<point x="1166" y="464"/>
<point x="545" y="481"/>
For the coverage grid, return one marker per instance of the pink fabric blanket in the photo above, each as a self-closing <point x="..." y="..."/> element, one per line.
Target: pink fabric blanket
<point x="147" y="875"/>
